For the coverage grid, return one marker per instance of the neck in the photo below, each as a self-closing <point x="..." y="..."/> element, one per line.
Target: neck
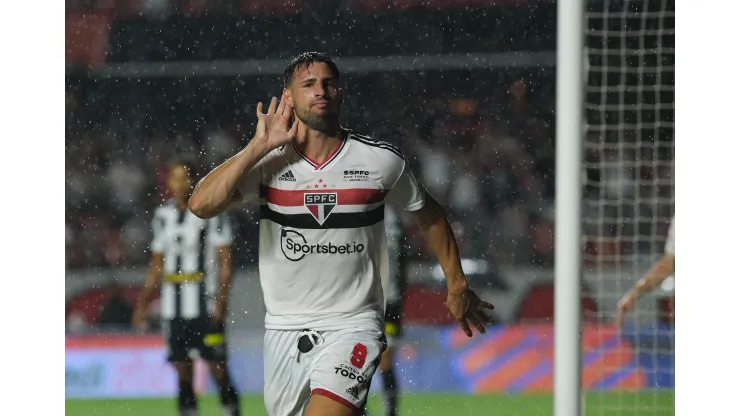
<point x="318" y="145"/>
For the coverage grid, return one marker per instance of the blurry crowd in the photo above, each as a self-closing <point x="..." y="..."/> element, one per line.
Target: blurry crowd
<point x="485" y="150"/>
<point x="490" y="162"/>
<point x="481" y="140"/>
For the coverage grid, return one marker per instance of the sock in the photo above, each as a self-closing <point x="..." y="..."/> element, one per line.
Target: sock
<point x="390" y="391"/>
<point x="186" y="399"/>
<point x="229" y="397"/>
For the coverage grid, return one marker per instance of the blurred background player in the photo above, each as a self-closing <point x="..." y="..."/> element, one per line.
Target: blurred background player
<point x="194" y="258"/>
<point x="661" y="270"/>
<point x="394" y="305"/>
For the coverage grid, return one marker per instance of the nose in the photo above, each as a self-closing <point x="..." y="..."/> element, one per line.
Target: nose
<point x="319" y="90"/>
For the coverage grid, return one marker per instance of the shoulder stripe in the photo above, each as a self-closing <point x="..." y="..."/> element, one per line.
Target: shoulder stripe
<point x="370" y="140"/>
<point x="380" y="142"/>
<point x="380" y="145"/>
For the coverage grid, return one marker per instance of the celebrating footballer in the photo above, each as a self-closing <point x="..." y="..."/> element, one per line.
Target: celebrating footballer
<point x="323" y="258"/>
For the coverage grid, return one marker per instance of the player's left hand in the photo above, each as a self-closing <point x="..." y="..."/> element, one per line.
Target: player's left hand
<point x="467" y="307"/>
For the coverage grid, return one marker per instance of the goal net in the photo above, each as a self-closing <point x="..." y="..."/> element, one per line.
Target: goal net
<point x="629" y="198"/>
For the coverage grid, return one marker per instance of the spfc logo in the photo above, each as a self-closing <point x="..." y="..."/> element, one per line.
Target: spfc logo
<point x="320" y="204"/>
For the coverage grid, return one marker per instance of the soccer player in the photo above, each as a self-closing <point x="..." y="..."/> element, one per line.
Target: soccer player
<point x="661" y="269"/>
<point x="397" y="279"/>
<point x="323" y="259"/>
<point x="194" y="258"/>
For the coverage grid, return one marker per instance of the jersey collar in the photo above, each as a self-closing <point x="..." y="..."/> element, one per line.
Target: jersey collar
<point x="332" y="156"/>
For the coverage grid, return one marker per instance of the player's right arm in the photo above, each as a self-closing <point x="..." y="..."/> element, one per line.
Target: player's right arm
<point x="218" y="191"/>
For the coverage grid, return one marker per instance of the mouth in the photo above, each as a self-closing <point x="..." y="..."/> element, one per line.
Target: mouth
<point x="320" y="104"/>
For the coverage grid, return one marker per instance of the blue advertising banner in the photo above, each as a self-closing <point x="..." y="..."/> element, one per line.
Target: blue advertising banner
<point x="508" y="358"/>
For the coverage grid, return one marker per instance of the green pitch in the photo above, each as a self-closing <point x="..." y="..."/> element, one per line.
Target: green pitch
<point x="597" y="404"/>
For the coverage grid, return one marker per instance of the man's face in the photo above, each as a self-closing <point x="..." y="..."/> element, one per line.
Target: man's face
<point x="179" y="182"/>
<point x="316" y="96"/>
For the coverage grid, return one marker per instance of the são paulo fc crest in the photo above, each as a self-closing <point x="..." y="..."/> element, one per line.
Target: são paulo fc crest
<point x="320" y="204"/>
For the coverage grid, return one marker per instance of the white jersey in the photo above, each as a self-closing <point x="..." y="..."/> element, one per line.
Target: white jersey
<point x="670" y="241"/>
<point x="188" y="244"/>
<point x="323" y="257"/>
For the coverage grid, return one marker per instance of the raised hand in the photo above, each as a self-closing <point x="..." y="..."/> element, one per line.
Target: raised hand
<point x="466" y="307"/>
<point x="273" y="126"/>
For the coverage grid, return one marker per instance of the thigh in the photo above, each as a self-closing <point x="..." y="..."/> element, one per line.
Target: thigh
<point x="286" y="390"/>
<point x="346" y="366"/>
<point x="176" y="340"/>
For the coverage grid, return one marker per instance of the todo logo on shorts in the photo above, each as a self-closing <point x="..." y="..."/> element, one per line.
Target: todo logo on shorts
<point x="353" y="374"/>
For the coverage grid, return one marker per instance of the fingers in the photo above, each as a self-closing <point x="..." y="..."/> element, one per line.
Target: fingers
<point x="270" y="110"/>
<point x="482" y="317"/>
<point x="487" y="305"/>
<point x="287" y="113"/>
<point x="281" y="105"/>
<point x="273" y="105"/>
<point x="464" y="325"/>
<point x="288" y="109"/>
<point x="478" y="325"/>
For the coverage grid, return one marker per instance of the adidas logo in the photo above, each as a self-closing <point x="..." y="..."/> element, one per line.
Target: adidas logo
<point x="352" y="391"/>
<point x="287" y="176"/>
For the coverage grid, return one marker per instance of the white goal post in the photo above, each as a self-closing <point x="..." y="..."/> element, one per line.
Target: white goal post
<point x="615" y="120"/>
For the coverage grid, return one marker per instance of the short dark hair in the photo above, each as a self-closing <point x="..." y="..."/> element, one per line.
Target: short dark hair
<point x="304" y="60"/>
<point x="188" y="163"/>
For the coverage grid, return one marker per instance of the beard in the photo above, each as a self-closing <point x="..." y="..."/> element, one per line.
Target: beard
<point x="325" y="123"/>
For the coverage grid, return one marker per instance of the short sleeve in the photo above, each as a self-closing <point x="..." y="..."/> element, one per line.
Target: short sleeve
<point x="407" y="193"/>
<point x="158" y="236"/>
<point x="220" y="231"/>
<point x="670" y="241"/>
<point x="249" y="184"/>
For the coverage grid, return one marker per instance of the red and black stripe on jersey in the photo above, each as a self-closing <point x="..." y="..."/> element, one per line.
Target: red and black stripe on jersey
<point x="295" y="198"/>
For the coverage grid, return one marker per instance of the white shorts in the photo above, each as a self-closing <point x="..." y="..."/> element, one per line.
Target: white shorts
<point x="340" y="366"/>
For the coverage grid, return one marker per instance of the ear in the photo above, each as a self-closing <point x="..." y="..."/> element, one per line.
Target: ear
<point x="288" y="96"/>
<point x="341" y="96"/>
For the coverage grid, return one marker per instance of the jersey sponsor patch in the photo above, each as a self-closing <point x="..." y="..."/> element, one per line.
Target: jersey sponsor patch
<point x="296" y="247"/>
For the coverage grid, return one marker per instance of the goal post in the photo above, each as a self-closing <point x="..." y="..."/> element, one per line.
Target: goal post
<point x="628" y="198"/>
<point x="569" y="147"/>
